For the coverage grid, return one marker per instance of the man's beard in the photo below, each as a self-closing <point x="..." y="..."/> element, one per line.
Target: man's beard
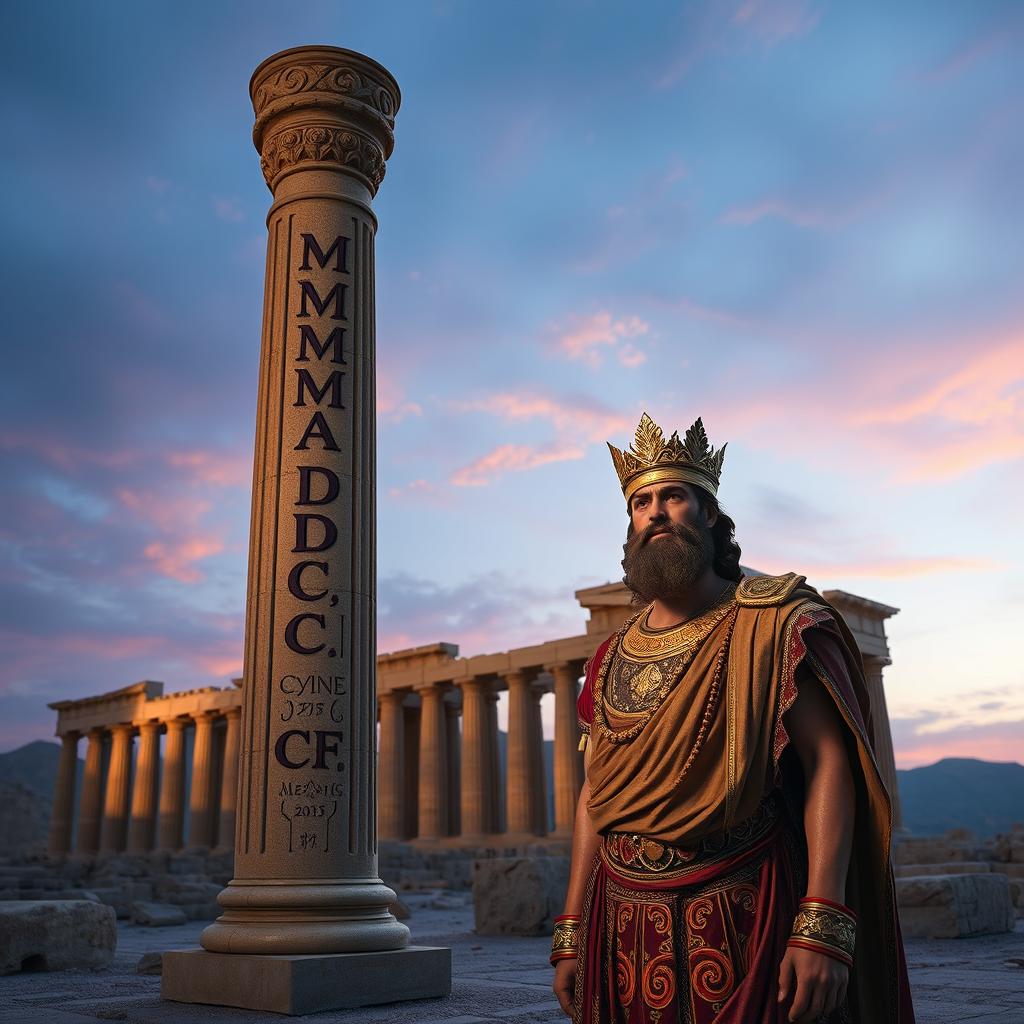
<point x="666" y="568"/>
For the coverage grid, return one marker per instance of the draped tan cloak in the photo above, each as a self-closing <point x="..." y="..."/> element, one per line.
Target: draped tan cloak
<point x="640" y="786"/>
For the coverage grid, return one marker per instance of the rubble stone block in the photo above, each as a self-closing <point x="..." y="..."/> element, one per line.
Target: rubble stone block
<point x="55" y="935"/>
<point x="954" y="906"/>
<point x="157" y="915"/>
<point x="518" y="895"/>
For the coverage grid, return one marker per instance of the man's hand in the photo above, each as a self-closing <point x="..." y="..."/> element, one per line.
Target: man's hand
<point x="816" y="983"/>
<point x="565" y="983"/>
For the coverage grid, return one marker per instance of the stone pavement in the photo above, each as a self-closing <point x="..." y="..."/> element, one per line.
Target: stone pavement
<point x="954" y="980"/>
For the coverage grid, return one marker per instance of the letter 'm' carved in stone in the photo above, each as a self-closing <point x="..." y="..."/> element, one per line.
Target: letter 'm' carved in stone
<point x="309" y="337"/>
<point x="306" y="383"/>
<point x="339" y="249"/>
<point x="336" y="295"/>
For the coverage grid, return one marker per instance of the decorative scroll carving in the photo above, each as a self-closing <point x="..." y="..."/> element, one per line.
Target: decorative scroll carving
<point x="322" y="144"/>
<point x="341" y="79"/>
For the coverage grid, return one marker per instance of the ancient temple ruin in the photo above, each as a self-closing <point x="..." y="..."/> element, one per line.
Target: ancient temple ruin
<point x="439" y="779"/>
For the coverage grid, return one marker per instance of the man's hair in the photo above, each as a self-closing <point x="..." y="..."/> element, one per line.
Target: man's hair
<point x="727" y="552"/>
<point x="726" y="561"/>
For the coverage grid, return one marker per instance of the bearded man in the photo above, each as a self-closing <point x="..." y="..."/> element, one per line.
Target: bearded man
<point x="731" y="848"/>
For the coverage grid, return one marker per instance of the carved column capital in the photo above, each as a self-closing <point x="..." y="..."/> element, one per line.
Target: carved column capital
<point x="324" y="106"/>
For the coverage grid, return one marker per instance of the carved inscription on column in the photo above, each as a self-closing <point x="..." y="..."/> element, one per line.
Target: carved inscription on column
<point x="310" y="732"/>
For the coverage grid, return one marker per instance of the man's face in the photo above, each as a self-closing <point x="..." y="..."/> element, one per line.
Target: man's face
<point x="670" y="546"/>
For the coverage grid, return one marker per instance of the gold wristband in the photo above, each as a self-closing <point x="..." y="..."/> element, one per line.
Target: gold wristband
<point x="565" y="939"/>
<point x="825" y="927"/>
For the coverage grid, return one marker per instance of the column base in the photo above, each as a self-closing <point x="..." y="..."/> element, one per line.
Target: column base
<point x="306" y="984"/>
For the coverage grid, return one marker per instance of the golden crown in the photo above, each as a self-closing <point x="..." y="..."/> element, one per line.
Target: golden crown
<point x="650" y="459"/>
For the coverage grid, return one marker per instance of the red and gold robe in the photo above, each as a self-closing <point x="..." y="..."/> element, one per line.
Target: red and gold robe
<point x="703" y="857"/>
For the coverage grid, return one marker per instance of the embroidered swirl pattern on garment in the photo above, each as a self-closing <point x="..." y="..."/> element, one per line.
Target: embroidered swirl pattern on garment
<point x="645" y="950"/>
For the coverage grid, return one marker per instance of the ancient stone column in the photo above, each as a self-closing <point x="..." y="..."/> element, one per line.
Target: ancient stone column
<point x="115" y="804"/>
<point x="520" y="754"/>
<point x="229" y="781"/>
<point x="882" y="740"/>
<point x="64" y="795"/>
<point x="496" y="816"/>
<point x="568" y="760"/>
<point x="433" y="780"/>
<point x="90" y="813"/>
<point x="144" y="792"/>
<point x="391" y="767"/>
<point x="477" y="818"/>
<point x="538" y="775"/>
<point x="200" y="800"/>
<point x="306" y="878"/>
<point x="453" y="746"/>
<point x="172" y="788"/>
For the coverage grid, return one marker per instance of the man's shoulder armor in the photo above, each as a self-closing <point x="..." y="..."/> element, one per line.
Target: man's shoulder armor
<point x="766" y="591"/>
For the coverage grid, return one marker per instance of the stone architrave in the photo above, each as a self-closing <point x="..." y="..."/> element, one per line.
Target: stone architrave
<point x="306" y="880"/>
<point x="64" y="795"/>
<point x="90" y="814"/>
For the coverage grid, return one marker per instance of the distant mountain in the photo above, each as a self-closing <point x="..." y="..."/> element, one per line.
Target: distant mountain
<point x="962" y="792"/>
<point x="33" y="765"/>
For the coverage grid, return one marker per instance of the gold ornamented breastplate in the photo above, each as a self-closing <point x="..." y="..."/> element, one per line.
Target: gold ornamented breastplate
<point x="648" y="662"/>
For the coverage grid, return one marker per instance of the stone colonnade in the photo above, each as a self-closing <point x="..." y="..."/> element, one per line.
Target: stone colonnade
<point x="132" y="799"/>
<point x="443" y="775"/>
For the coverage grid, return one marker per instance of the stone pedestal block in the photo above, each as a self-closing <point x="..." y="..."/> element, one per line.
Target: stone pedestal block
<point x="55" y="935"/>
<point x="306" y="984"/>
<point x="954" y="906"/>
<point x="518" y="895"/>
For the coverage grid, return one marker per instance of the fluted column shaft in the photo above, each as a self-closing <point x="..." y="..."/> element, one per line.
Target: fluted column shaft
<point x="115" y="804"/>
<point x="433" y="779"/>
<point x="200" y="796"/>
<point x="520" y="754"/>
<point x="391" y="767"/>
<point x="453" y="746"/>
<point x="538" y="774"/>
<point x="64" y="795"/>
<point x="568" y="760"/>
<point x="90" y="814"/>
<point x="496" y="817"/>
<point x="882" y="739"/>
<point x="172" y="787"/>
<point x="476" y="793"/>
<point x="229" y="781"/>
<point x="141" y="831"/>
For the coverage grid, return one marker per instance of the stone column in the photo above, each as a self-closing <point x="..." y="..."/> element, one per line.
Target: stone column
<point x="433" y="780"/>
<point x="144" y="792"/>
<point x="568" y="760"/>
<point x="90" y="814"/>
<point x="477" y="815"/>
<point x="306" y="878"/>
<point x="64" y="795"/>
<point x="496" y="818"/>
<point x="229" y="781"/>
<point x="200" y="822"/>
<point x="882" y="739"/>
<point x="520" y="755"/>
<point x="115" y="804"/>
<point x="538" y="774"/>
<point x="391" y="767"/>
<point x="453" y="746"/>
<point x="172" y="787"/>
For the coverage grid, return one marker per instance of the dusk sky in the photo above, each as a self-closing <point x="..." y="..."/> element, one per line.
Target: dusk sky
<point x="801" y="221"/>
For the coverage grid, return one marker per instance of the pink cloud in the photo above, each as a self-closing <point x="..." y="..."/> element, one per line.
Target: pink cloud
<point x="971" y="53"/>
<point x="222" y="469"/>
<point x="63" y="455"/>
<point x="391" y="402"/>
<point x="177" y="560"/>
<point x="631" y="356"/>
<point x="511" y="458"/>
<point x="805" y="214"/>
<point x="582" y="337"/>
<point x="997" y="741"/>
<point x="586" y="419"/>
<point x="774" y="21"/>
